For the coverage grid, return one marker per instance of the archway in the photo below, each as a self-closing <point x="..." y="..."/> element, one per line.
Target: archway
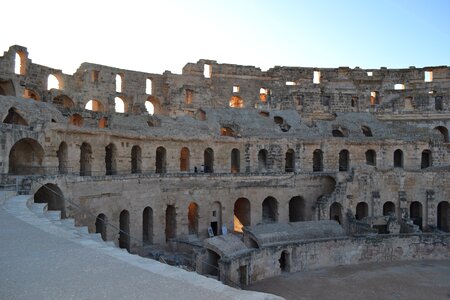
<point x="63" y="101"/>
<point x="208" y="158"/>
<point x="124" y="236"/>
<point x="270" y="210"/>
<point x="336" y="212"/>
<point x="317" y="160"/>
<point x="388" y="208"/>
<point x="100" y="225"/>
<point x="216" y="218"/>
<point x="110" y="159"/>
<point x="290" y="161"/>
<point x="371" y="157"/>
<point x="415" y="213"/>
<point x="85" y="160"/>
<point x="53" y="196"/>
<point x="160" y="162"/>
<point x="94" y="105"/>
<point x="426" y="159"/>
<point x="147" y="226"/>
<point x="241" y="214"/>
<point x="296" y="209"/>
<point x="235" y="161"/>
<point x="26" y="157"/>
<point x="284" y="261"/>
<point x="443" y="216"/>
<point x="136" y="159"/>
<point x="184" y="159"/>
<point x="76" y="120"/>
<point x="362" y="210"/>
<point x="344" y="161"/>
<point x="171" y="222"/>
<point x="193" y="218"/>
<point x="398" y="158"/>
<point x="262" y="160"/>
<point x="62" y="158"/>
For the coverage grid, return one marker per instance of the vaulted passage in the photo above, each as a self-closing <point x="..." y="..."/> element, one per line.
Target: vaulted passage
<point x="147" y="226"/>
<point x="208" y="160"/>
<point x="26" y="158"/>
<point x="171" y="222"/>
<point x="269" y="210"/>
<point x="344" y="161"/>
<point x="235" y="161"/>
<point x="111" y="159"/>
<point x="289" y="165"/>
<point x="443" y="216"/>
<point x="193" y="218"/>
<point x="160" y="163"/>
<point x="296" y="209"/>
<point x="241" y="214"/>
<point x="336" y="212"/>
<point x="415" y="213"/>
<point x="136" y="160"/>
<point x="14" y="117"/>
<point x="62" y="158"/>
<point x="362" y="210"/>
<point x="216" y="218"/>
<point x="124" y="235"/>
<point x="389" y="208"/>
<point x="262" y="160"/>
<point x="85" y="160"/>
<point x="184" y="159"/>
<point x="53" y="196"/>
<point x="100" y="225"/>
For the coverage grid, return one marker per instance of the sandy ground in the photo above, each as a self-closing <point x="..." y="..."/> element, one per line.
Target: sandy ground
<point x="397" y="280"/>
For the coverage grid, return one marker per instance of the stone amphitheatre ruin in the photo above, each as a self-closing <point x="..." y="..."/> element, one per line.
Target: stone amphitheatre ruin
<point x="236" y="172"/>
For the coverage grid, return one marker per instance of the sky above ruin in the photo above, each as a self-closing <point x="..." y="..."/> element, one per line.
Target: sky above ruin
<point x="154" y="36"/>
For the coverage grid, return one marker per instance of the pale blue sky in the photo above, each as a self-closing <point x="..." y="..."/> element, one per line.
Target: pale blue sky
<point x="154" y="36"/>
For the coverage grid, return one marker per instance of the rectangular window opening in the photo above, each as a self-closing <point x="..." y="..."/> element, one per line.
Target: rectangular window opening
<point x="399" y="86"/>
<point x="370" y="74"/>
<point x="428" y="77"/>
<point x="374" y="98"/>
<point x="236" y="89"/>
<point x="290" y="83"/>
<point x="207" y="71"/>
<point x="148" y="86"/>
<point x="188" y="96"/>
<point x="316" y="77"/>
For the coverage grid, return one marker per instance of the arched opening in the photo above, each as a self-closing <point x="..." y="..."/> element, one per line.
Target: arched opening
<point x="426" y="159"/>
<point x="443" y="216"/>
<point x="262" y="160"/>
<point x="337" y="133"/>
<point x="296" y="209"/>
<point x="103" y="122"/>
<point x="366" y="131"/>
<point x="160" y="160"/>
<point x="111" y="159"/>
<point x="52" y="82"/>
<point x="124" y="234"/>
<point x="76" y="120"/>
<point x="152" y="105"/>
<point x="184" y="159"/>
<point x="119" y="105"/>
<point x="193" y="218"/>
<point x="241" y="214"/>
<point x="216" y="218"/>
<point x="371" y="157"/>
<point x="389" y="209"/>
<point x="100" y="225"/>
<point x="336" y="212"/>
<point x="285" y="261"/>
<point x="26" y="157"/>
<point x="398" y="158"/>
<point x="317" y="160"/>
<point x="415" y="213"/>
<point x="362" y="210"/>
<point x="235" y="161"/>
<point x="53" y="196"/>
<point x="444" y="131"/>
<point x="62" y="158"/>
<point x="171" y="222"/>
<point x="94" y="105"/>
<point x="149" y="107"/>
<point x="289" y="161"/>
<point x="31" y="94"/>
<point x="19" y="63"/>
<point x="236" y="102"/>
<point x="119" y="83"/>
<point x="13" y="117"/>
<point x="344" y="161"/>
<point x="63" y="101"/>
<point x="86" y="160"/>
<point x="136" y="159"/>
<point x="208" y="160"/>
<point x="270" y="210"/>
<point x="147" y="226"/>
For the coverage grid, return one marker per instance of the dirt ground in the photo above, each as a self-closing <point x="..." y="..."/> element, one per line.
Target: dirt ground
<point x="397" y="280"/>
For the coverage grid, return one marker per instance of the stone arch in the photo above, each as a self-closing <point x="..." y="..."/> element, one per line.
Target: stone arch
<point x="52" y="195"/>
<point x="270" y="210"/>
<point x="153" y="105"/>
<point x="136" y="160"/>
<point x="111" y="159"/>
<point x="398" y="158"/>
<point x="415" y="213"/>
<point x="13" y="117"/>
<point x="184" y="159"/>
<point x="208" y="160"/>
<point x="171" y="222"/>
<point x="285" y="261"/>
<point x="344" y="161"/>
<point x="120" y="105"/>
<point x="63" y="158"/>
<point x="296" y="209"/>
<point x="443" y="131"/>
<point x="371" y="157"/>
<point x="262" y="160"/>
<point x="53" y="82"/>
<point x="389" y="208"/>
<point x="26" y="157"/>
<point x="86" y="159"/>
<point x="366" y="131"/>
<point x="336" y="212"/>
<point x="94" y="105"/>
<point x="124" y="234"/>
<point x="100" y="226"/>
<point x="443" y="216"/>
<point x="147" y="226"/>
<point x="193" y="216"/>
<point x="337" y="133"/>
<point x="31" y="94"/>
<point x="63" y="101"/>
<point x="216" y="218"/>
<point x="160" y="162"/>
<point x="362" y="210"/>
<point x="20" y="63"/>
<point x="76" y="120"/>
<point x="289" y="165"/>
<point x="235" y="161"/>
<point x="317" y="160"/>
<point x="242" y="214"/>
<point x="426" y="159"/>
